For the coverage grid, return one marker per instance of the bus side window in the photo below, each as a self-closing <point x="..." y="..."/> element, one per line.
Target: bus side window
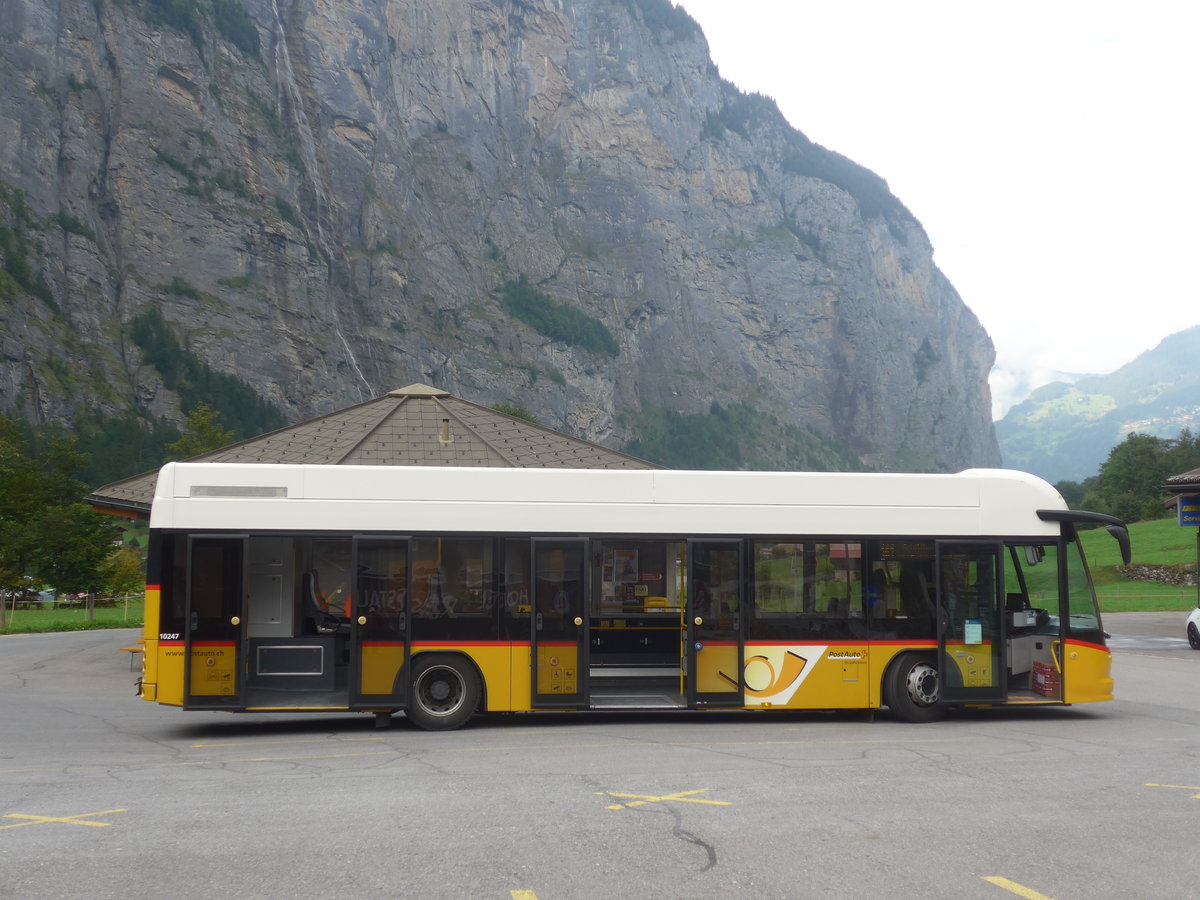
<point x="900" y="589"/>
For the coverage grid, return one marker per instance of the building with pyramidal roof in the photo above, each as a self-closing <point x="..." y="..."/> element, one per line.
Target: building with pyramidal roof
<point x="414" y="426"/>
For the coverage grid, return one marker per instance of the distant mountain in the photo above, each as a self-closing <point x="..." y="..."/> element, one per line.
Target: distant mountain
<point x="1065" y="431"/>
<point x="1011" y="386"/>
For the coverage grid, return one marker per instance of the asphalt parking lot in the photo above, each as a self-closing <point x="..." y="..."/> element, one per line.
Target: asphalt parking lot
<point x="104" y="795"/>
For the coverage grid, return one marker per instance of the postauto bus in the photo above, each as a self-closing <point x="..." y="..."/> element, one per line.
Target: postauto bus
<point x="446" y="592"/>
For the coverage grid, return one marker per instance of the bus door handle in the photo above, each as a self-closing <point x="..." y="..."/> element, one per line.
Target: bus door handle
<point x="537" y="622"/>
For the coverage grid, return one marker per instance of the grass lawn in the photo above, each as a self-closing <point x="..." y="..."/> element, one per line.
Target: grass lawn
<point x="63" y="618"/>
<point x="1160" y="542"/>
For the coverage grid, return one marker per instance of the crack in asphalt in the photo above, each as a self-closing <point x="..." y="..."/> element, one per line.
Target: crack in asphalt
<point x="692" y="838"/>
<point x="676" y="815"/>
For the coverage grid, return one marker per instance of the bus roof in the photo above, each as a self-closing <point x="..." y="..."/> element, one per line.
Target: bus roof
<point x="438" y="499"/>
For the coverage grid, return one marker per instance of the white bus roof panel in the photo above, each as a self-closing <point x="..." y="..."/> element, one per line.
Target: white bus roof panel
<point x="403" y="499"/>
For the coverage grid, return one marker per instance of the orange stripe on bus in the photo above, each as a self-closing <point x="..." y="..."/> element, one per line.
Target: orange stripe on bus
<point x="1078" y="643"/>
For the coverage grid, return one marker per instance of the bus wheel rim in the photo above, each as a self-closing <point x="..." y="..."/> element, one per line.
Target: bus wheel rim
<point x="440" y="691"/>
<point x="922" y="684"/>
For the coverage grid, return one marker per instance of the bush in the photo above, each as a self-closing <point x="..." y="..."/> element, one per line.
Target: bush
<point x="555" y="320"/>
<point x="195" y="381"/>
<point x="236" y="26"/>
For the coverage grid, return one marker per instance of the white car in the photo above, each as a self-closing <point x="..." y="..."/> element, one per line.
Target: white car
<point x="1193" y="628"/>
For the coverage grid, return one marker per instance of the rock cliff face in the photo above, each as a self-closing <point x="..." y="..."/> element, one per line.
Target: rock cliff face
<point x="331" y="199"/>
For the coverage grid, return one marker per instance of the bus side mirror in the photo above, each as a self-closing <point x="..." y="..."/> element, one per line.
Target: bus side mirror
<point x="1121" y="533"/>
<point x="1034" y="555"/>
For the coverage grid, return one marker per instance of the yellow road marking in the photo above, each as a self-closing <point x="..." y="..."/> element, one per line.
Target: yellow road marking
<point x="247" y="759"/>
<point x="523" y="748"/>
<point x="523" y="895"/>
<point x="79" y="768"/>
<point x="1012" y="887"/>
<point x="82" y="767"/>
<point x="625" y="743"/>
<point x="290" y="741"/>
<point x="1179" y="787"/>
<point x="817" y="743"/>
<point x="643" y="799"/>
<point x="66" y="820"/>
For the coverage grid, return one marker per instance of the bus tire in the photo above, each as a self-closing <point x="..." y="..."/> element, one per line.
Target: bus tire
<point x="913" y="689"/>
<point x="444" y="694"/>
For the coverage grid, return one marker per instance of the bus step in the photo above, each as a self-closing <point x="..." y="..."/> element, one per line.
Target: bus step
<point x="637" y="701"/>
<point x="634" y="671"/>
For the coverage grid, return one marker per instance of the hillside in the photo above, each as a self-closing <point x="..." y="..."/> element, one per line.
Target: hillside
<point x="1065" y="431"/>
<point x="283" y="207"/>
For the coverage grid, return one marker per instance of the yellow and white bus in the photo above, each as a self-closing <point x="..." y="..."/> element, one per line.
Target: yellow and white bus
<point x="445" y="592"/>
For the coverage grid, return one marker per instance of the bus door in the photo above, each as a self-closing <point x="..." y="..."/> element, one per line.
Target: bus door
<point x="1035" y="619"/>
<point x="559" y="640"/>
<point x="380" y="638"/>
<point x="971" y="632"/>
<point x="215" y="610"/>
<point x="714" y="640"/>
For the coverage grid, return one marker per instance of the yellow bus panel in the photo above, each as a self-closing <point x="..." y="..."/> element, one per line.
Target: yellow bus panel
<point x="807" y="676"/>
<point x="1087" y="673"/>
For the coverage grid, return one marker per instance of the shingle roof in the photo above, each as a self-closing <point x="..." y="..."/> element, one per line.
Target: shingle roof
<point x="413" y="426"/>
<point x="1188" y="482"/>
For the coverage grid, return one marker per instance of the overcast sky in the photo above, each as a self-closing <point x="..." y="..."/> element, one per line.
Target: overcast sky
<point x="1049" y="149"/>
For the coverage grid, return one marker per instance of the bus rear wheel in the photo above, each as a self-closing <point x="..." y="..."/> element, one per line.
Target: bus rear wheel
<point x="445" y="692"/>
<point x="913" y="690"/>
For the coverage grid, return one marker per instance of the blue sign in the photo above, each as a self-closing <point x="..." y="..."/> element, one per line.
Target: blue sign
<point x="1189" y="510"/>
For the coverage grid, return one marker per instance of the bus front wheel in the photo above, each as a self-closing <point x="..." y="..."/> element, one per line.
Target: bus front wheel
<point x="445" y="692"/>
<point x="914" y="689"/>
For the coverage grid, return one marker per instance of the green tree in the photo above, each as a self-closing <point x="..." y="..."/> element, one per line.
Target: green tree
<point x="73" y="544"/>
<point x="1184" y="453"/>
<point x="1130" y="483"/>
<point x="45" y="529"/>
<point x="123" y="571"/>
<point x="1073" y="492"/>
<point x="19" y="501"/>
<point x="202" y="433"/>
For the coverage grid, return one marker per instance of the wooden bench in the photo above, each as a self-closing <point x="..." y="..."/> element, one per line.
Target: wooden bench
<point x="133" y="651"/>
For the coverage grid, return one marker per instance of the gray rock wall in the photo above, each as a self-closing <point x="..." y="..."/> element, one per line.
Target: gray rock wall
<point x="332" y="218"/>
